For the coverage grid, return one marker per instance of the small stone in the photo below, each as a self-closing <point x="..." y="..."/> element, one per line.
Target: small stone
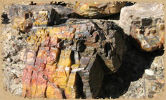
<point x="149" y="72"/>
<point x="9" y="60"/>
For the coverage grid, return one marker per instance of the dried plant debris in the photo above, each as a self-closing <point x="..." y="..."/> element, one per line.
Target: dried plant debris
<point x="50" y="52"/>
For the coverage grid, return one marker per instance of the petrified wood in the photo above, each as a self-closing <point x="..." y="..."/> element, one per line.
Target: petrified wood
<point x="57" y="53"/>
<point x="145" y="23"/>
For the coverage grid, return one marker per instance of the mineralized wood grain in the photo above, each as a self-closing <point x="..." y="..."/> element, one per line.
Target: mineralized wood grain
<point x="145" y="23"/>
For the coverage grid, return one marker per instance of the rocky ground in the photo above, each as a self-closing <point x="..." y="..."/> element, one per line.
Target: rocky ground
<point x="141" y="74"/>
<point x="14" y="45"/>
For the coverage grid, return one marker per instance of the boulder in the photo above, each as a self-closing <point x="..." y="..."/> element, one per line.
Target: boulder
<point x="97" y="10"/>
<point x="145" y="23"/>
<point x="86" y="47"/>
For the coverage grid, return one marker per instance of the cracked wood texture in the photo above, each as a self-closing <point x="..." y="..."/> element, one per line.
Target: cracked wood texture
<point x="145" y="23"/>
<point x="56" y="55"/>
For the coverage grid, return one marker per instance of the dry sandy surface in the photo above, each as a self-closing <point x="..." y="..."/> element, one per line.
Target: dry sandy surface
<point x="7" y="96"/>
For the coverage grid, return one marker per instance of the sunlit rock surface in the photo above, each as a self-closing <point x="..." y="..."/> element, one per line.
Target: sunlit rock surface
<point x="145" y="23"/>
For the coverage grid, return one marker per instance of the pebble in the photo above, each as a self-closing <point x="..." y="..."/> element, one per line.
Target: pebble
<point x="9" y="60"/>
<point x="149" y="72"/>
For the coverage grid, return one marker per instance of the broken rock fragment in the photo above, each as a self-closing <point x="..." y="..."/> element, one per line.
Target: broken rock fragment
<point x="145" y="23"/>
<point x="98" y="9"/>
<point x="66" y="52"/>
<point x="24" y="17"/>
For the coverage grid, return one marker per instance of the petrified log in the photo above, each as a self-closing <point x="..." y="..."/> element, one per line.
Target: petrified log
<point x="24" y="17"/>
<point x="84" y="46"/>
<point x="66" y="60"/>
<point x="96" y="9"/>
<point x="145" y="23"/>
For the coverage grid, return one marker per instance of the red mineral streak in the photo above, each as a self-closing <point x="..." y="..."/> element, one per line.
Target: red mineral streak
<point x="26" y="81"/>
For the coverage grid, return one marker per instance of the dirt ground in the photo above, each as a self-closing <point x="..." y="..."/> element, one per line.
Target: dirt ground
<point x="7" y="96"/>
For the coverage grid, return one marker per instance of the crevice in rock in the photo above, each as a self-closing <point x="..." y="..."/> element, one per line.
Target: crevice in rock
<point x="135" y="61"/>
<point x="5" y="19"/>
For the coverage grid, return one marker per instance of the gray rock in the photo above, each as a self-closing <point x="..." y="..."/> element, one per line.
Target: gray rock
<point x="149" y="72"/>
<point x="145" y="23"/>
<point x="139" y="10"/>
<point x="9" y="60"/>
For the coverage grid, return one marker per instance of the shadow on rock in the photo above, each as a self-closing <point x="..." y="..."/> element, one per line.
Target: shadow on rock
<point x="135" y="61"/>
